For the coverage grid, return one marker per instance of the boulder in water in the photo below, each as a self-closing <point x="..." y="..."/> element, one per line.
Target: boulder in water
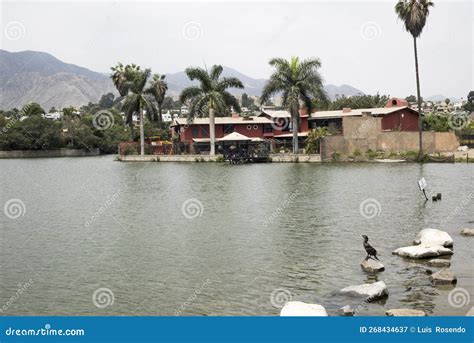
<point x="405" y="312"/>
<point x="301" y="309"/>
<point x="418" y="251"/>
<point x="439" y="262"/>
<point x="370" y="290"/>
<point x="467" y="232"/>
<point x="443" y="277"/>
<point x="372" y="266"/>
<point x="433" y="237"/>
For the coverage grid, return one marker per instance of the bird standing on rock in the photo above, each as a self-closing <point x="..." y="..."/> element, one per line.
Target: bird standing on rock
<point x="371" y="252"/>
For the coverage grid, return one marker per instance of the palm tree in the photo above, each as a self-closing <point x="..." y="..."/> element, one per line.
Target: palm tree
<point x="299" y="82"/>
<point x="210" y="97"/>
<point x="414" y="14"/>
<point x="158" y="88"/>
<point x="137" y="100"/>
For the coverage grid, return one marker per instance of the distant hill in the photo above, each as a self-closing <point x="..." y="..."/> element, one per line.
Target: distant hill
<point x="178" y="81"/>
<point x="441" y="97"/>
<point x="38" y="76"/>
<point x="28" y="76"/>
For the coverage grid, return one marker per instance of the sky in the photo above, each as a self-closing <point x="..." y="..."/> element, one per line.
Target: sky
<point x="359" y="43"/>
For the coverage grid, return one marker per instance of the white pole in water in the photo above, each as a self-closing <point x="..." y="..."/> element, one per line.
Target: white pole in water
<point x="422" y="185"/>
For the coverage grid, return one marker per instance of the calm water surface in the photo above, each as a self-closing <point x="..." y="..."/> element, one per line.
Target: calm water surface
<point x="93" y="222"/>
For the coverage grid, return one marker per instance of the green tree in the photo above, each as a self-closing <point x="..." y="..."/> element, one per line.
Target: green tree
<point x="469" y="106"/>
<point x="106" y="100"/>
<point x="137" y="101"/>
<point x="298" y="81"/>
<point x="414" y="13"/>
<point x="158" y="89"/>
<point x="210" y="97"/>
<point x="32" y="109"/>
<point x="313" y="140"/>
<point x="359" y="101"/>
<point x="411" y="99"/>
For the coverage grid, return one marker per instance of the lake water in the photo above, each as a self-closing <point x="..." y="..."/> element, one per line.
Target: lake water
<point x="215" y="239"/>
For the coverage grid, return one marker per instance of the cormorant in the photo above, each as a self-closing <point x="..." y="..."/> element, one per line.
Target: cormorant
<point x="371" y="252"/>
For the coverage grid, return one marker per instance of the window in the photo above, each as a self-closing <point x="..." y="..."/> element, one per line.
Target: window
<point x="195" y="131"/>
<point x="204" y="132"/>
<point x="228" y="128"/>
<point x="267" y="128"/>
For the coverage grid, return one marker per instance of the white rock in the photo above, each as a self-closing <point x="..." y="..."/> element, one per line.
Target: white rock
<point x="405" y="312"/>
<point x="372" y="266"/>
<point x="301" y="309"/>
<point x="444" y="277"/>
<point x="418" y="251"/>
<point x="432" y="237"/>
<point x="347" y="311"/>
<point x="467" y="232"/>
<point x="371" y="290"/>
<point x="438" y="262"/>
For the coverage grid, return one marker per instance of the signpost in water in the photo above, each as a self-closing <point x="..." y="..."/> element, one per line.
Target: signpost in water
<point x="422" y="184"/>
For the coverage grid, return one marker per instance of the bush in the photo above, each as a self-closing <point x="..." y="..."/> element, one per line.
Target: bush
<point x="130" y="150"/>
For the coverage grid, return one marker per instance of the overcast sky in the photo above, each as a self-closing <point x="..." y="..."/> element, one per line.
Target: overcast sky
<point x="359" y="43"/>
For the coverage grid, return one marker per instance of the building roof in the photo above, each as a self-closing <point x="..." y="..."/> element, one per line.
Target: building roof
<point x="223" y="120"/>
<point x="357" y="112"/>
<point x="279" y="113"/>
<point x="285" y="135"/>
<point x="234" y="136"/>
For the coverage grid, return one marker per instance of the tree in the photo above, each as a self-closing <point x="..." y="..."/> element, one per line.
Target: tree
<point x="158" y="88"/>
<point x="137" y="100"/>
<point x="411" y="99"/>
<point x="32" y="109"/>
<point x="313" y="140"/>
<point x="414" y="13"/>
<point x="447" y="101"/>
<point x="106" y="100"/>
<point x="210" y="97"/>
<point x="358" y="101"/>
<point x="298" y="81"/>
<point x="469" y="106"/>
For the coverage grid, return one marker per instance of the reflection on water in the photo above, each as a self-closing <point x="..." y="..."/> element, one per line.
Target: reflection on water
<point x="92" y="223"/>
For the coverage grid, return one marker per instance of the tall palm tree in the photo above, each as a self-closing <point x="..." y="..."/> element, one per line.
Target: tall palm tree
<point x="414" y="13"/>
<point x="158" y="88"/>
<point x="137" y="100"/>
<point x="210" y="97"/>
<point x="300" y="83"/>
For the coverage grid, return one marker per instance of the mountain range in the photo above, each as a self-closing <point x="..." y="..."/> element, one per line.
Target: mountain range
<point x="28" y="76"/>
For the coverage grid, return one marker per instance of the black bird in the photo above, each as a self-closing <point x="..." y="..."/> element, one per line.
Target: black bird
<point x="371" y="252"/>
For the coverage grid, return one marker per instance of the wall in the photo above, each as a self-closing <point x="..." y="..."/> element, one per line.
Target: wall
<point x="364" y="133"/>
<point x="48" y="153"/>
<point x="404" y="120"/>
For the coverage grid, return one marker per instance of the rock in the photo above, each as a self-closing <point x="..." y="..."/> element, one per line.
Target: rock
<point x="467" y="232"/>
<point x="405" y="312"/>
<point x="443" y="277"/>
<point x="347" y="311"/>
<point x="470" y="313"/>
<point x="418" y="251"/>
<point x="301" y="309"/>
<point x="432" y="237"/>
<point x="372" y="266"/>
<point x="438" y="262"/>
<point x="371" y="290"/>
